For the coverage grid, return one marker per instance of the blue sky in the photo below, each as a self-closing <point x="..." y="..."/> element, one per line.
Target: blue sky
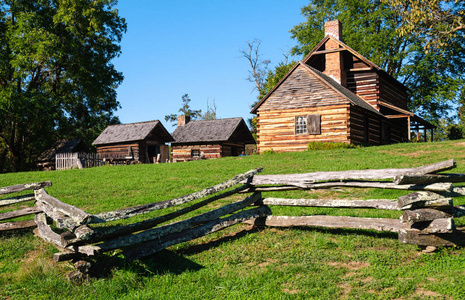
<point x="176" y="47"/>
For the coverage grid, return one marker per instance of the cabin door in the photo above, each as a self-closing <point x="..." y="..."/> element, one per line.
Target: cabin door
<point x="152" y="152"/>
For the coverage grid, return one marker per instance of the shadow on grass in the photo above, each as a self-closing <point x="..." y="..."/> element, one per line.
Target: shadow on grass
<point x="167" y="261"/>
<point x="162" y="262"/>
<point x="348" y="231"/>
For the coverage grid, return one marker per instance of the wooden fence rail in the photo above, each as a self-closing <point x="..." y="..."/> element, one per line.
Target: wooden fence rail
<point x="14" y="225"/>
<point x="427" y="219"/>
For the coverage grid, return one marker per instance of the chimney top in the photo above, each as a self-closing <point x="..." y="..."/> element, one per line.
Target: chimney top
<point x="183" y="120"/>
<point x="334" y="28"/>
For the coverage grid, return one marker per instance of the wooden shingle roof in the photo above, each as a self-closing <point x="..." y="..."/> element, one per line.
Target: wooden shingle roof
<point x="219" y="130"/>
<point x="133" y="132"/>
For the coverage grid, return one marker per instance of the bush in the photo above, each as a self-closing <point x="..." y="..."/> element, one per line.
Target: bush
<point x="329" y="146"/>
<point x="268" y="152"/>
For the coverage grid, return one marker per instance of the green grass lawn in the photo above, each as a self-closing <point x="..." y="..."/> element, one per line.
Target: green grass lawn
<point x="240" y="262"/>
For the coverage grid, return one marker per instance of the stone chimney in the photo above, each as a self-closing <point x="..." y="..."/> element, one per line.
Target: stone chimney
<point x="183" y="120"/>
<point x="334" y="60"/>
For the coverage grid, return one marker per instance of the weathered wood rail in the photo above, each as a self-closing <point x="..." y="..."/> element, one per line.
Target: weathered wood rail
<point x="427" y="219"/>
<point x="14" y="225"/>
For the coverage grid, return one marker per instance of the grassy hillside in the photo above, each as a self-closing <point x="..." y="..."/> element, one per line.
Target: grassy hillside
<point x="239" y="262"/>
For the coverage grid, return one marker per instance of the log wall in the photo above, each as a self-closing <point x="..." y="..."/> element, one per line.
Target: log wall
<point x="365" y="128"/>
<point x="276" y="128"/>
<point x="365" y="85"/>
<point x="392" y="92"/>
<point x="184" y="152"/>
<point x="119" y="150"/>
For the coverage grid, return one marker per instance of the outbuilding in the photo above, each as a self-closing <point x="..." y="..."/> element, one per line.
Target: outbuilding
<point x="209" y="138"/>
<point x="134" y="142"/>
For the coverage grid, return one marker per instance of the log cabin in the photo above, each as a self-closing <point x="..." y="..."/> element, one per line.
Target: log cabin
<point x="335" y="95"/>
<point x="209" y="138"/>
<point x="135" y="142"/>
<point x="46" y="160"/>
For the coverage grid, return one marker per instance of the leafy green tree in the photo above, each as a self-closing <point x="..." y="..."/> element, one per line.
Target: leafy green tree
<point x="438" y="21"/>
<point x="434" y="74"/>
<point x="56" y="76"/>
<point x="185" y="110"/>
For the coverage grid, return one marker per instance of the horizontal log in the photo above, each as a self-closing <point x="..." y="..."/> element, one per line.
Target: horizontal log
<point x="45" y="232"/>
<point x="445" y="225"/>
<point x="110" y="232"/>
<point x="24" y="187"/>
<point x="141" y="209"/>
<point x="407" y="201"/>
<point x="17" y="225"/>
<point x="340" y="203"/>
<point x="298" y="179"/>
<point x="415" y="237"/>
<point x="436" y="187"/>
<point x="13" y="200"/>
<point x="77" y="215"/>
<point x="157" y="233"/>
<point x="152" y="247"/>
<point x="445" y="204"/>
<point x="423" y="215"/>
<point x="379" y="224"/>
<point x="19" y="213"/>
<point x="429" y="178"/>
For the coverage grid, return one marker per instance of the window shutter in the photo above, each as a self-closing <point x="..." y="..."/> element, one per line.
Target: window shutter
<point x="314" y="124"/>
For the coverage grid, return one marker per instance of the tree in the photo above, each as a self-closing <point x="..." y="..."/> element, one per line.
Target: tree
<point x="437" y="21"/>
<point x="258" y="67"/>
<point x="434" y="75"/>
<point x="210" y="114"/>
<point x="185" y="110"/>
<point x="56" y="76"/>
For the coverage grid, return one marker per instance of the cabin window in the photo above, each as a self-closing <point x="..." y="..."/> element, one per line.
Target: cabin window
<point x="301" y="125"/>
<point x="310" y="124"/>
<point x="195" y="153"/>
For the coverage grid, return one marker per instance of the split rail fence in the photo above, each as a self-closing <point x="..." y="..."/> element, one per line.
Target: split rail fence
<point x="428" y="218"/>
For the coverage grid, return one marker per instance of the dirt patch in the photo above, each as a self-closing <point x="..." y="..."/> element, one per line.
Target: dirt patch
<point x="267" y="262"/>
<point x="295" y="291"/>
<point x="289" y="289"/>
<point x="345" y="290"/>
<point x="352" y="265"/>
<point x="427" y="293"/>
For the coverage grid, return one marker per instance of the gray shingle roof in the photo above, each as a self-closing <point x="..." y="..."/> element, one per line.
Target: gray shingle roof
<point x="220" y="130"/>
<point x="131" y="132"/>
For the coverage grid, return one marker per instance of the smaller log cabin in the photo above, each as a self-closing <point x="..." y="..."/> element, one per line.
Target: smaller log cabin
<point x="135" y="142"/>
<point x="46" y="160"/>
<point x="335" y="95"/>
<point x="209" y="139"/>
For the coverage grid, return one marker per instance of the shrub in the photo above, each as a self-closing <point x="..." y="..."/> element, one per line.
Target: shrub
<point x="268" y="152"/>
<point x="329" y="146"/>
